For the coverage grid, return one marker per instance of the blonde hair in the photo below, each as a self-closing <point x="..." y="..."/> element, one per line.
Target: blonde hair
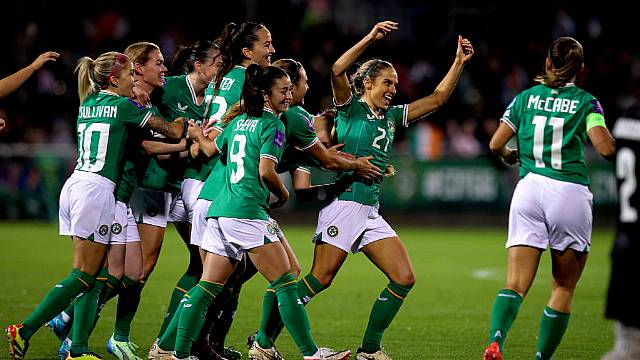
<point x="139" y="52"/>
<point x="567" y="57"/>
<point x="93" y="75"/>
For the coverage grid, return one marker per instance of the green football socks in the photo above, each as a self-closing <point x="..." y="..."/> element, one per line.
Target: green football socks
<point x="505" y="310"/>
<point x="192" y="316"/>
<point x="293" y="313"/>
<point x="384" y="310"/>
<point x="56" y="300"/>
<point x="185" y="283"/>
<point x="553" y="324"/>
<point x="128" y="302"/>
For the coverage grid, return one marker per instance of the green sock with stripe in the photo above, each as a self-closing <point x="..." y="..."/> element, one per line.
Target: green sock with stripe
<point x="185" y="283"/>
<point x="384" y="310"/>
<point x="192" y="316"/>
<point x="56" y="300"/>
<point x="86" y="312"/>
<point x="505" y="310"/>
<point x="128" y="302"/>
<point x="553" y="324"/>
<point x="293" y="313"/>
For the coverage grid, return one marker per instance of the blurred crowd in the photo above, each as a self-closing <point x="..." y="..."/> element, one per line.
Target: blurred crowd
<point x="510" y="49"/>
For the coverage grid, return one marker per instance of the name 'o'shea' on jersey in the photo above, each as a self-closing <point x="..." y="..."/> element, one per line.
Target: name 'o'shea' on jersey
<point x="243" y="143"/>
<point x="103" y="119"/>
<point x="367" y="134"/>
<point x="551" y="128"/>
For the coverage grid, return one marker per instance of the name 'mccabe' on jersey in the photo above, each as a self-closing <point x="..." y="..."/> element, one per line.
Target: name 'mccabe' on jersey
<point x="551" y="128"/>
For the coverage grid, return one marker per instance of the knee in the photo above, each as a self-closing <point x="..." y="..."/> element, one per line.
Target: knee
<point x="325" y="279"/>
<point x="404" y="278"/>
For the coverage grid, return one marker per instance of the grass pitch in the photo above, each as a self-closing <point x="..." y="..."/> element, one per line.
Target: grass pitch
<point x="446" y="316"/>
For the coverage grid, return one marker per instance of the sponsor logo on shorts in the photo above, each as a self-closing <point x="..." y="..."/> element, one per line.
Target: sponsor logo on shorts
<point x="152" y="211"/>
<point x="116" y="228"/>
<point x="104" y="229"/>
<point x="332" y="231"/>
<point x="271" y="229"/>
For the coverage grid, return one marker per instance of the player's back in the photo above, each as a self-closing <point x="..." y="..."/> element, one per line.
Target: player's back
<point x="551" y="130"/>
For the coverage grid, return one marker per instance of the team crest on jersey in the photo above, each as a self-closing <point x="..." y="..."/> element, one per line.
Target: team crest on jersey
<point x="104" y="229"/>
<point x="271" y="229"/>
<point x="152" y="211"/>
<point x="116" y="228"/>
<point x="181" y="107"/>
<point x="332" y="231"/>
<point x="391" y="125"/>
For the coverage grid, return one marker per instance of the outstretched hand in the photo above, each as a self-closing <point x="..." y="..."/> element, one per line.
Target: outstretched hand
<point x="465" y="49"/>
<point x="43" y="58"/>
<point x="381" y="29"/>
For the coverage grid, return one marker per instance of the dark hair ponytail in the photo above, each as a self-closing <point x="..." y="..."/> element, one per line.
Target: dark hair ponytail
<point x="291" y="67"/>
<point x="186" y="56"/>
<point x="257" y="82"/>
<point x="233" y="39"/>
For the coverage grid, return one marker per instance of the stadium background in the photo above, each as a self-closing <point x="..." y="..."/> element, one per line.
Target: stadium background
<point x="444" y="162"/>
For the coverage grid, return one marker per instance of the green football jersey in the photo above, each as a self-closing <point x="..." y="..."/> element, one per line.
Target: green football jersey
<point x="132" y="158"/>
<point x="366" y="134"/>
<point x="229" y="93"/>
<point x="178" y="99"/>
<point x="551" y="129"/>
<point x="243" y="143"/>
<point x="102" y="124"/>
<point x="216" y="177"/>
<point x="300" y="136"/>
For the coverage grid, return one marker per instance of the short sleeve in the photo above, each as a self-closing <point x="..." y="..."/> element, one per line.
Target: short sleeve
<point x="510" y="117"/>
<point x="132" y="112"/>
<point x="399" y="114"/>
<point x="222" y="140"/>
<point x="272" y="141"/>
<point x="300" y="130"/>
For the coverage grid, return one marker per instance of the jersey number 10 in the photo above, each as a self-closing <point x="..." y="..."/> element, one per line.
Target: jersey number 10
<point x="92" y="150"/>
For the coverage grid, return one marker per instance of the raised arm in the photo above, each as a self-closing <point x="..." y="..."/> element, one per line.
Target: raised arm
<point x="440" y="95"/>
<point x="13" y="82"/>
<point x="173" y="130"/>
<point x="339" y="79"/>
<point x="498" y="144"/>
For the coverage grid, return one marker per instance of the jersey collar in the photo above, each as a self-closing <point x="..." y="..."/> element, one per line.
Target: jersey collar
<point x="194" y="98"/>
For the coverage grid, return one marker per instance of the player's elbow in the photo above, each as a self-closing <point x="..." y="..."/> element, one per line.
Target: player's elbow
<point x="607" y="149"/>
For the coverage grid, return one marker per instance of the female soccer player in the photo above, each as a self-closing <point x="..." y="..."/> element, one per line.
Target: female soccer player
<point x="237" y="219"/>
<point x="366" y="123"/>
<point x="87" y="202"/>
<point x="551" y="121"/>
